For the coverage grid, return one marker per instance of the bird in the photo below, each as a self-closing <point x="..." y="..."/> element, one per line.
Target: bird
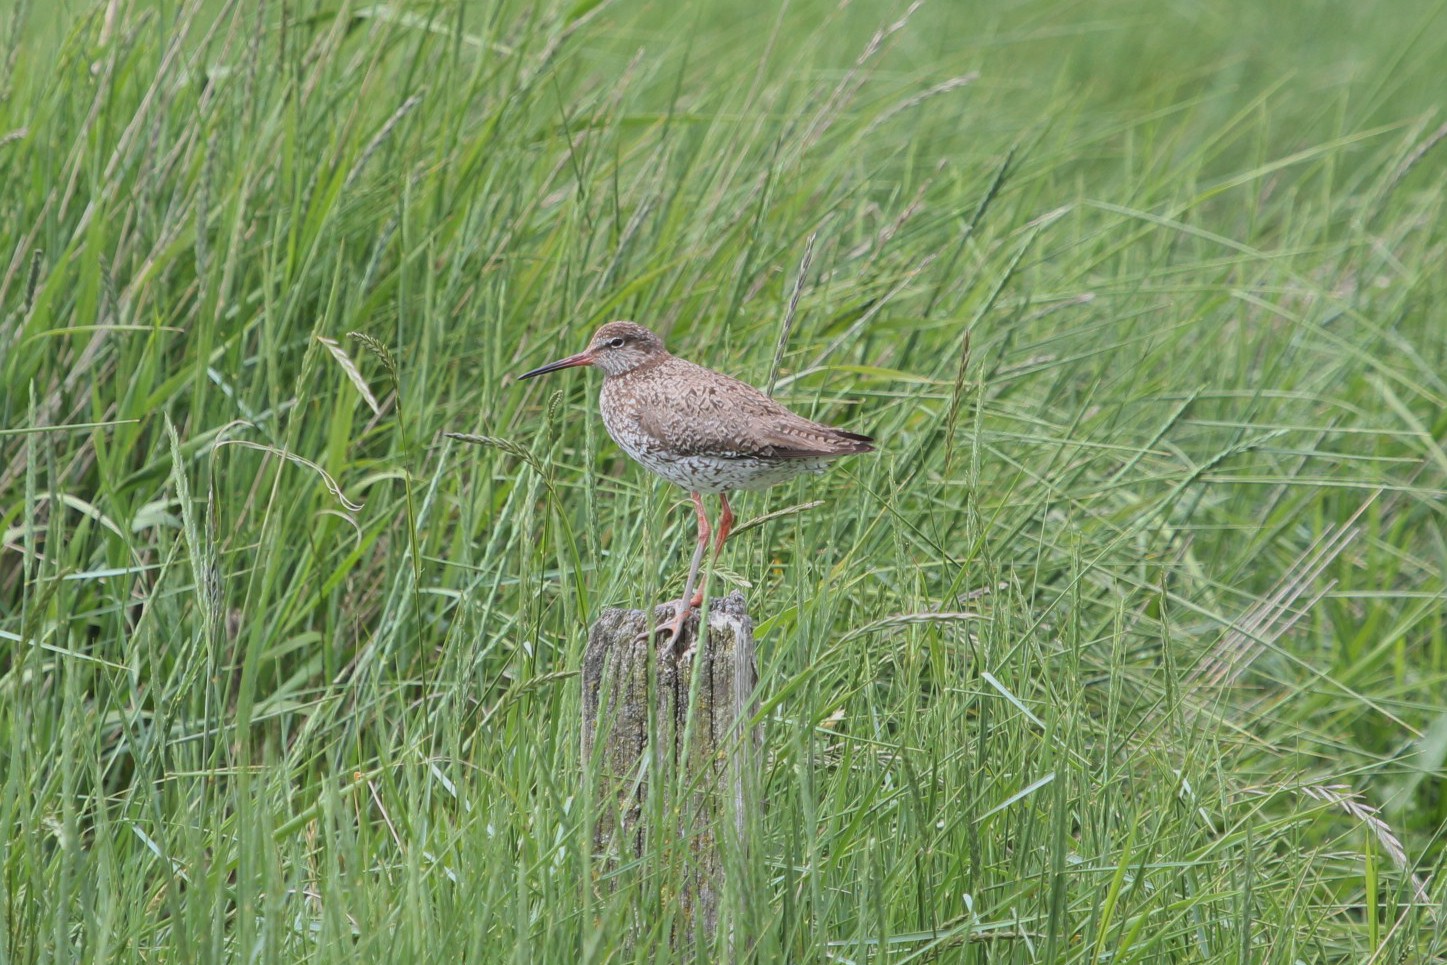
<point x="699" y="429"/>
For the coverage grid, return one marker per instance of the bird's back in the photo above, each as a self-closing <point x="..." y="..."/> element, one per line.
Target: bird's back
<point x="710" y="432"/>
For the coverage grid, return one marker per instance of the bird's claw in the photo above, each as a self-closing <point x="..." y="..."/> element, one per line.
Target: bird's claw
<point x="673" y="627"/>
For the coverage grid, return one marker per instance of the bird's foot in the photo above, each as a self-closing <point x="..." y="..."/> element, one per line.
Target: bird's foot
<point x="673" y="627"/>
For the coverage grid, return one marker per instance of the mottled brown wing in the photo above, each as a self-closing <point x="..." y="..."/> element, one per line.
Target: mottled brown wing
<point x="712" y="414"/>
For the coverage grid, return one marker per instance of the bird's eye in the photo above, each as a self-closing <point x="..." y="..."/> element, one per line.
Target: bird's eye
<point x="616" y="343"/>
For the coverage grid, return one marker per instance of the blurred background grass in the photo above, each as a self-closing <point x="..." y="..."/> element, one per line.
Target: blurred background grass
<point x="1128" y="645"/>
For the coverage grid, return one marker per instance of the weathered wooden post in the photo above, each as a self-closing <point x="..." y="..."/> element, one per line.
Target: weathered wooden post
<point x="673" y="721"/>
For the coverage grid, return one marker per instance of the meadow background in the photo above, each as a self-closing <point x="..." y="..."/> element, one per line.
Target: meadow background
<point x="1127" y="646"/>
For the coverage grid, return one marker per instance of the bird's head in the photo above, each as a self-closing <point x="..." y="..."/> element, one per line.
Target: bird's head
<point x="616" y="348"/>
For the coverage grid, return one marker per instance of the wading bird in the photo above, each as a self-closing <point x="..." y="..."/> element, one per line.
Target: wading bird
<point x="700" y="429"/>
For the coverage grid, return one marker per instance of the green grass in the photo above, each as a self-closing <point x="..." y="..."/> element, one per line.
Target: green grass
<point x="1129" y="645"/>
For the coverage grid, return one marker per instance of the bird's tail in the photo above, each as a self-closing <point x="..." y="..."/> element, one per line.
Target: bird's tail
<point x="860" y="443"/>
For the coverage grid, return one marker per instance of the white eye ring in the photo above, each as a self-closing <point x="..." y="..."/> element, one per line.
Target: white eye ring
<point x="616" y="343"/>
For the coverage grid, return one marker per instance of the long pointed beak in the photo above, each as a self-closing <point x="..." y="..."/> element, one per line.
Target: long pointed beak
<point x="582" y="358"/>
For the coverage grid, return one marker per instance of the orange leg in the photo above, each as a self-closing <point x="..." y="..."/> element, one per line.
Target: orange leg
<point x="725" y="523"/>
<point x="689" y="600"/>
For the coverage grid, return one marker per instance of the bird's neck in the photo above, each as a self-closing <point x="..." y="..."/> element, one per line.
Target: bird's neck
<point x="646" y="366"/>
